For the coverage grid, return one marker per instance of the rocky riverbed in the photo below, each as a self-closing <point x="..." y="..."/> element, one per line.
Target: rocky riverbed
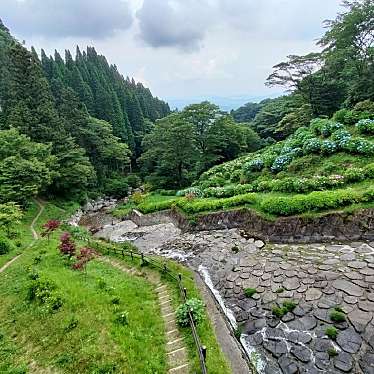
<point x="318" y="278"/>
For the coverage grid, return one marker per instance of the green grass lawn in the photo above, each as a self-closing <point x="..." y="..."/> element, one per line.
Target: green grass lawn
<point x="216" y="361"/>
<point x="82" y="336"/>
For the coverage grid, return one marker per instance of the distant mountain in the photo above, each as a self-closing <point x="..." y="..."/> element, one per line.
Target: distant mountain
<point x="225" y="103"/>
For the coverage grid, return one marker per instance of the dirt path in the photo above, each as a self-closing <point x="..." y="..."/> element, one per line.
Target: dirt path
<point x="32" y="228"/>
<point x="176" y="351"/>
<point x="34" y="234"/>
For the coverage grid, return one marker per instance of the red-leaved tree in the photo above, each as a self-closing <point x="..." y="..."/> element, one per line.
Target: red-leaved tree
<point x="49" y="227"/>
<point x="67" y="246"/>
<point x="85" y="256"/>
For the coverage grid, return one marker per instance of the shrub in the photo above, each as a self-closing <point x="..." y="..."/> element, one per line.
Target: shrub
<point x="337" y="316"/>
<point x="354" y="175"/>
<point x="332" y="352"/>
<point x="133" y="181"/>
<point x="253" y="165"/>
<point x="314" y="202"/>
<point x="195" y="191"/>
<point x="5" y="245"/>
<point x="151" y="207"/>
<point x="341" y="138"/>
<point x="44" y="291"/>
<point x="328" y="147"/>
<point x="249" y="292"/>
<point x="197" y="206"/>
<point x="138" y="197"/>
<point x="122" y="318"/>
<point x="281" y="162"/>
<point x="287" y="306"/>
<point x="365" y="126"/>
<point x="359" y="146"/>
<point x="345" y="116"/>
<point x="195" y="306"/>
<point x="331" y="332"/>
<point x="312" y="146"/>
<point x="85" y="256"/>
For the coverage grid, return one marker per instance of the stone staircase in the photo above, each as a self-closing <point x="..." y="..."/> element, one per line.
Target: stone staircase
<point x="175" y="347"/>
<point x="176" y="351"/>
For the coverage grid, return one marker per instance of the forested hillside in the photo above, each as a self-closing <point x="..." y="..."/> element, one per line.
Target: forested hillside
<point x="68" y="128"/>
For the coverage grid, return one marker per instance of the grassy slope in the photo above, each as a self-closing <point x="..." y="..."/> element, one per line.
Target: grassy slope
<point x="216" y="362"/>
<point x="43" y="342"/>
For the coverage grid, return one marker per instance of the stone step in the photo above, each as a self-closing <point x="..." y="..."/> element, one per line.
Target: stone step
<point x="177" y="357"/>
<point x="172" y="334"/>
<point x="170" y="326"/>
<point x="174" y="344"/>
<point x="169" y="317"/>
<point x="181" y="369"/>
<point x="166" y="309"/>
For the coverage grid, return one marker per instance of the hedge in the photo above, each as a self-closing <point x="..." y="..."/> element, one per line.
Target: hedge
<point x="315" y="201"/>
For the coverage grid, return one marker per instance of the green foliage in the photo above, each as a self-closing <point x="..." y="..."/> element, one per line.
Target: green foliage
<point x="26" y="167"/>
<point x="195" y="307"/>
<point x="337" y="316"/>
<point x="280" y="311"/>
<point x="332" y="352"/>
<point x="122" y="318"/>
<point x="331" y="332"/>
<point x="5" y="245"/>
<point x="249" y="292"/>
<point x="314" y="202"/>
<point x="44" y="291"/>
<point x="10" y="215"/>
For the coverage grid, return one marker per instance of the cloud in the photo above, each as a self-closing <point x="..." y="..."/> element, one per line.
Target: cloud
<point x="174" y="23"/>
<point x="63" y="18"/>
<point x="185" y="23"/>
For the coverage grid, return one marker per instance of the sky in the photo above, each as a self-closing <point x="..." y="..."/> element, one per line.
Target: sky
<point x="183" y="50"/>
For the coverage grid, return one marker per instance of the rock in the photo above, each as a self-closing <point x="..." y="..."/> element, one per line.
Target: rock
<point x="349" y="341"/>
<point x="303" y="354"/>
<point x="357" y="264"/>
<point x="350" y="299"/>
<point x="343" y="362"/>
<point x="259" y="243"/>
<point x="274" y="333"/>
<point x="359" y="319"/>
<point x="366" y="306"/>
<point x="287" y="365"/>
<point x="288" y="317"/>
<point x="348" y="287"/>
<point x="276" y="348"/>
<point x="252" y="327"/>
<point x="298" y="337"/>
<point x="291" y="283"/>
<point x="322" y="360"/>
<point x="322" y="345"/>
<point x="312" y="294"/>
<point x="367" y="363"/>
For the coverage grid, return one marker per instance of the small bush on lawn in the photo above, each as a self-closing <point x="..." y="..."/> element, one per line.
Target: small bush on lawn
<point x="122" y="318"/>
<point x="195" y="306"/>
<point x="44" y="291"/>
<point x="249" y="292"/>
<point x="331" y="332"/>
<point x="5" y="245"/>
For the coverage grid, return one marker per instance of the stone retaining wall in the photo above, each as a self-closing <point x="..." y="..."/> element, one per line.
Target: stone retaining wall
<point x="338" y="226"/>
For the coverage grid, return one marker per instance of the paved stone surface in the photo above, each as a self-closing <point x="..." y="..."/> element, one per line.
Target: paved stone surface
<point x="312" y="280"/>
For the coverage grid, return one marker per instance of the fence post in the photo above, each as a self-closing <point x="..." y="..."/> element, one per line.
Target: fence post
<point x="203" y="351"/>
<point x="185" y="292"/>
<point x="142" y="258"/>
<point x="165" y="268"/>
<point x="123" y="253"/>
<point x="180" y="277"/>
<point x="132" y="256"/>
